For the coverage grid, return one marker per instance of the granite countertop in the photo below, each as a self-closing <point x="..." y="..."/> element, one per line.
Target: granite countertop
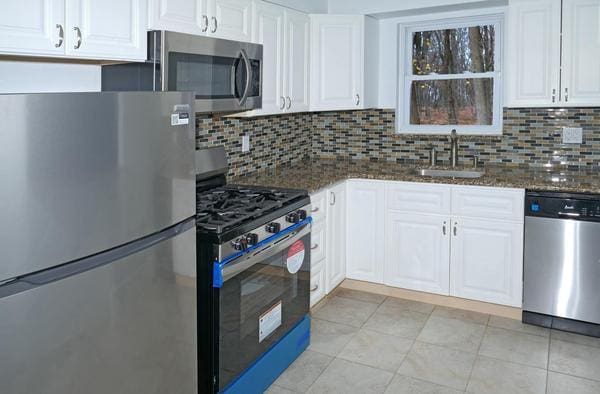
<point x="315" y="174"/>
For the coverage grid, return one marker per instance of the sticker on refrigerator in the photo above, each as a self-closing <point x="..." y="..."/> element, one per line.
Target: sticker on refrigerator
<point x="180" y="118"/>
<point x="269" y="321"/>
<point x="295" y="257"/>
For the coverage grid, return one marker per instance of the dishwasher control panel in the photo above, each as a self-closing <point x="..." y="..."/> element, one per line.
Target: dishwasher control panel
<point x="563" y="206"/>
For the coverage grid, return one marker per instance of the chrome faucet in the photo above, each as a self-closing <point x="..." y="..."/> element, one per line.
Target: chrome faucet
<point x="453" y="148"/>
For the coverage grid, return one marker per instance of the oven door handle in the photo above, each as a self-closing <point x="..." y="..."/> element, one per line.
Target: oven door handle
<point x="223" y="272"/>
<point x="248" y="76"/>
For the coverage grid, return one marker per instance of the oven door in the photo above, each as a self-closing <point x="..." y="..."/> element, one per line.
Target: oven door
<point x="225" y="75"/>
<point x="264" y="294"/>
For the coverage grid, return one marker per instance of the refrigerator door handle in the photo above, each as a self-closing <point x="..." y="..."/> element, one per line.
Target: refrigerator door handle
<point x="36" y="279"/>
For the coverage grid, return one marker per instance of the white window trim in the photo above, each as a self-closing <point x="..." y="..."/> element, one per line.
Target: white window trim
<point x="405" y="77"/>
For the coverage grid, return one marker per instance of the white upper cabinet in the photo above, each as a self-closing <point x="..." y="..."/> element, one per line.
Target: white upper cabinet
<point x="533" y="53"/>
<point x="534" y="60"/>
<point x="108" y="29"/>
<point x="228" y="19"/>
<point x="338" y="62"/>
<point x="365" y="234"/>
<point x="33" y="27"/>
<point x="297" y="61"/>
<point x="268" y="31"/>
<point x="580" y="84"/>
<point x="183" y="16"/>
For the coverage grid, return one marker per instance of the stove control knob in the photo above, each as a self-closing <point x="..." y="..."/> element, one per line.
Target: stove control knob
<point x="302" y="214"/>
<point x="273" y="227"/>
<point x="240" y="244"/>
<point x="292" y="217"/>
<point x="251" y="239"/>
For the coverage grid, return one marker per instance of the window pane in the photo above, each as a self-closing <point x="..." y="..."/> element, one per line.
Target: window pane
<point x="452" y="102"/>
<point x="453" y="51"/>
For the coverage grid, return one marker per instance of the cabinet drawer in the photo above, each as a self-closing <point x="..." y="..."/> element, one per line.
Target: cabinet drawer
<point x="318" y="241"/>
<point x="317" y="282"/>
<point x="418" y="197"/>
<point x="488" y="202"/>
<point x="318" y="202"/>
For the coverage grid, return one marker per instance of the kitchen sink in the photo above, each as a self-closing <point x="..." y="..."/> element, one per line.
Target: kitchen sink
<point x="449" y="173"/>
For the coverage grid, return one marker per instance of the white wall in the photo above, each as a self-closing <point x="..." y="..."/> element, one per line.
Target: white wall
<point x="308" y="6"/>
<point x="41" y="77"/>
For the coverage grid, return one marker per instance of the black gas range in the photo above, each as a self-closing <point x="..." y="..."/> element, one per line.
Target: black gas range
<point x="253" y="268"/>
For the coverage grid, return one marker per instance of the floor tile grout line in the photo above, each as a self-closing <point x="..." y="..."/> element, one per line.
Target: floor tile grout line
<point x="477" y="355"/>
<point x="548" y="362"/>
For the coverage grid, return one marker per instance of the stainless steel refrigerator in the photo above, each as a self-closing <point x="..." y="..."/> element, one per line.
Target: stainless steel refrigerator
<point x="97" y="243"/>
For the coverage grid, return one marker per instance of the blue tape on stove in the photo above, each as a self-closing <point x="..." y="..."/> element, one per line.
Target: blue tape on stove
<point x="260" y="375"/>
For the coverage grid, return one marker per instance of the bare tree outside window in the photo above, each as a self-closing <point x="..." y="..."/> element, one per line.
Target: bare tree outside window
<point x="451" y="79"/>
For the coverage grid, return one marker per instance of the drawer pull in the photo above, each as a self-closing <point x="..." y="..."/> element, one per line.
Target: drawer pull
<point x="315" y="209"/>
<point x="315" y="288"/>
<point x="314" y="246"/>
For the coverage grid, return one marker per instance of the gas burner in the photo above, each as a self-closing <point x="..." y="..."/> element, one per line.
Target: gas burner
<point x="222" y="208"/>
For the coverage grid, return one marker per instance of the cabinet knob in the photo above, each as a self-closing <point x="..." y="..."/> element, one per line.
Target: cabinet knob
<point x="315" y="246"/>
<point x="444" y="228"/>
<point x="78" y="36"/>
<point x="282" y="102"/>
<point x="332" y="202"/>
<point x="455" y="229"/>
<point x="215" y="25"/>
<point x="315" y="288"/>
<point x="289" y="102"/>
<point x="61" y="36"/>
<point x="357" y="100"/>
<point x="204" y="23"/>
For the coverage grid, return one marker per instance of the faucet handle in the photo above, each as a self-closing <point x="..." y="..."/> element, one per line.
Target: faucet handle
<point x="453" y="135"/>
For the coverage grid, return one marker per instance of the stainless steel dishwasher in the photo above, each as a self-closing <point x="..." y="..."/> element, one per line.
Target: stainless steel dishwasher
<point x="562" y="262"/>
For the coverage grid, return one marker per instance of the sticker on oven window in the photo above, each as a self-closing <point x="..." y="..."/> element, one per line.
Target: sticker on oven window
<point x="295" y="257"/>
<point x="269" y="321"/>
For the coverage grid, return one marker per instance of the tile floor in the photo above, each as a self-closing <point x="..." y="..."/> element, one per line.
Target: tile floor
<point x="367" y="343"/>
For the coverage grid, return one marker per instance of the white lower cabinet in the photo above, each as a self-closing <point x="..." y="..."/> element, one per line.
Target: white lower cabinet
<point x="317" y="282"/>
<point x="336" y="236"/>
<point x="417" y="249"/>
<point x="487" y="261"/>
<point x="366" y="210"/>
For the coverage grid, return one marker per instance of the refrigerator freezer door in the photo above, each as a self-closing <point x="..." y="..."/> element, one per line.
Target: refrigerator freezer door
<point x="81" y="173"/>
<point x="127" y="327"/>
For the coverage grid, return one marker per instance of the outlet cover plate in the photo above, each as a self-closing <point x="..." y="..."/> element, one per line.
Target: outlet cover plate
<point x="572" y="135"/>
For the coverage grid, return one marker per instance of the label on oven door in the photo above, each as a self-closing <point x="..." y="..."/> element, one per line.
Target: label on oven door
<point x="269" y="321"/>
<point x="295" y="257"/>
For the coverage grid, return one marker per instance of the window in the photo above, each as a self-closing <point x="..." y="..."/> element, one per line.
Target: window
<point x="451" y="77"/>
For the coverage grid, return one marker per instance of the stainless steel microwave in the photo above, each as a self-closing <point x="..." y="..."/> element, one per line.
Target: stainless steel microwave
<point x="225" y="75"/>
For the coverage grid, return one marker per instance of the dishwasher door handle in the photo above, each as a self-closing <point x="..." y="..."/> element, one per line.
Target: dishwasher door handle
<point x="568" y="215"/>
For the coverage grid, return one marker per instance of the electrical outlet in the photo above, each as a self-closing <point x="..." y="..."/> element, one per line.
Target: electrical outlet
<point x="245" y="143"/>
<point x="572" y="135"/>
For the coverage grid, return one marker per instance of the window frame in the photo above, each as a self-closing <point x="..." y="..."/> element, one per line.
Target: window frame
<point x="405" y="76"/>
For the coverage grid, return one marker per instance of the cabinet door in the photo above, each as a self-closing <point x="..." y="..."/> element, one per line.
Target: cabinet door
<point x="109" y="29"/>
<point x="364" y="258"/>
<point x="487" y="261"/>
<point x="336" y="236"/>
<point x="230" y="19"/>
<point x="581" y="53"/>
<point x="336" y="62"/>
<point x="183" y="16"/>
<point x="32" y="27"/>
<point x="533" y="53"/>
<point x="417" y="249"/>
<point x="296" y="80"/>
<point x="267" y="25"/>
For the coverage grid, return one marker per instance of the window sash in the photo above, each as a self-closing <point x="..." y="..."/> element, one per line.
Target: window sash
<point x="403" y="125"/>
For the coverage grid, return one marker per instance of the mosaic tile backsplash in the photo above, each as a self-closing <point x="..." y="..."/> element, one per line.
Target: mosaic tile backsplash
<point x="531" y="136"/>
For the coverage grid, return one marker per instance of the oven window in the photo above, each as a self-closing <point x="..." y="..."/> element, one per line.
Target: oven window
<point x="258" y="306"/>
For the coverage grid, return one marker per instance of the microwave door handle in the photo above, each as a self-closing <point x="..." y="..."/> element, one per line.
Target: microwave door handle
<point x="236" y="267"/>
<point x="248" y="76"/>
